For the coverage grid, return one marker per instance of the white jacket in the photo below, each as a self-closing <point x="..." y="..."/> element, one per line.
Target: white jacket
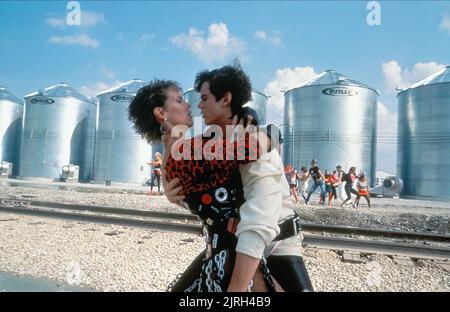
<point x="267" y="201"/>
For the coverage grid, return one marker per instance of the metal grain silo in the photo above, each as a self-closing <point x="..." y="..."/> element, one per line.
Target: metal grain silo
<point x="11" y="113"/>
<point x="333" y="119"/>
<point x="423" y="148"/>
<point x="58" y="130"/>
<point x="259" y="104"/>
<point x="121" y="155"/>
<point x="193" y="98"/>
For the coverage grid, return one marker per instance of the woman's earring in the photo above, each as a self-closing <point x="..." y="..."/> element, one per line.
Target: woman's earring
<point x="161" y="128"/>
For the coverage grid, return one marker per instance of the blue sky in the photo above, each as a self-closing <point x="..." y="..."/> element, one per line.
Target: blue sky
<point x="280" y="44"/>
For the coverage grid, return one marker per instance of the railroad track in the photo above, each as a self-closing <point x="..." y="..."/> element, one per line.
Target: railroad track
<point x="105" y="215"/>
<point x="341" y="238"/>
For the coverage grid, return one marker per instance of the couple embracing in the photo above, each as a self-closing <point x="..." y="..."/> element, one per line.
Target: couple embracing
<point x="236" y="186"/>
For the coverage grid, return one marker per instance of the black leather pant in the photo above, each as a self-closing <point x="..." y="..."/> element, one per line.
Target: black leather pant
<point x="190" y="274"/>
<point x="158" y="181"/>
<point x="289" y="271"/>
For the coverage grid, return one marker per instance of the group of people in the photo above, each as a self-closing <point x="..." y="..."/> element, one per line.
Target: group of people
<point x="332" y="185"/>
<point x="253" y="235"/>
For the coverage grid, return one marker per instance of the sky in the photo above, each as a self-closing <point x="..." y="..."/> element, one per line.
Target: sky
<point x="280" y="44"/>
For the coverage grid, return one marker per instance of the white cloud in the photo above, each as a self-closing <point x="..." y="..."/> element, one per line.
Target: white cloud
<point x="218" y="45"/>
<point x="445" y="23"/>
<point x="80" y="39"/>
<point x="386" y="120"/>
<point x="146" y="36"/>
<point x="53" y="21"/>
<point x="88" y="19"/>
<point x="107" y="72"/>
<point x="135" y="40"/>
<point x="142" y="42"/>
<point x="392" y="73"/>
<point x="274" y="39"/>
<point x="396" y="77"/>
<point x="122" y="35"/>
<point x="285" y="79"/>
<point x="135" y="36"/>
<point x="95" y="88"/>
<point x="261" y="35"/>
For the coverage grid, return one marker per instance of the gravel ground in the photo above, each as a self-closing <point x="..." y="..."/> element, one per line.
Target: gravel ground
<point x="395" y="214"/>
<point x="377" y="273"/>
<point x="115" y="258"/>
<point x="102" y="257"/>
<point x="414" y="220"/>
<point x="123" y="199"/>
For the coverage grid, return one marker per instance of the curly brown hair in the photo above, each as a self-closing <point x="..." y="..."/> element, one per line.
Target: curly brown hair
<point x="140" y="110"/>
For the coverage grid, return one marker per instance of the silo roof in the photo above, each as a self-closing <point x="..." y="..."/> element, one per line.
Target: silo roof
<point x="441" y="76"/>
<point x="131" y="86"/>
<point x="332" y="77"/>
<point x="189" y="90"/>
<point x="259" y="92"/>
<point x="5" y="94"/>
<point x="60" y="90"/>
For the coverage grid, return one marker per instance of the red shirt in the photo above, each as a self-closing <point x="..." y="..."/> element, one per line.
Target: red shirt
<point x="331" y="179"/>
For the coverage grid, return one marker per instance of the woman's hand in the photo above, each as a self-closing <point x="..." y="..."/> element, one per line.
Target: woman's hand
<point x="263" y="141"/>
<point x="173" y="190"/>
<point x="245" y="122"/>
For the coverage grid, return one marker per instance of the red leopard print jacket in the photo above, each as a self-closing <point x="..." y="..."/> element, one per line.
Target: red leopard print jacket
<point x="208" y="172"/>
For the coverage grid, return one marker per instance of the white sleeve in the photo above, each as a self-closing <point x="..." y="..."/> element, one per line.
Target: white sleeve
<point x="258" y="226"/>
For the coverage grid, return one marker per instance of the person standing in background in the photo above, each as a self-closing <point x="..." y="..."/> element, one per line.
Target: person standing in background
<point x="340" y="188"/>
<point x="349" y="178"/>
<point x="330" y="185"/>
<point x="319" y="181"/>
<point x="304" y="178"/>
<point x="156" y="172"/>
<point x="363" y="190"/>
<point x="292" y="176"/>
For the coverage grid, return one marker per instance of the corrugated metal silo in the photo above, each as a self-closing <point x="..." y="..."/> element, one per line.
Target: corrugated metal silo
<point x="333" y="119"/>
<point x="259" y="104"/>
<point x="121" y="155"/>
<point x="193" y="97"/>
<point x="11" y="113"/>
<point x="424" y="136"/>
<point x="58" y="130"/>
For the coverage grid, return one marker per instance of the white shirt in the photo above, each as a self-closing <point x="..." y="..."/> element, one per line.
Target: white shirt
<point x="267" y="201"/>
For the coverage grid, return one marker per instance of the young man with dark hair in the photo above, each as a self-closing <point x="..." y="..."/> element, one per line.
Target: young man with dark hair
<point x="267" y="201"/>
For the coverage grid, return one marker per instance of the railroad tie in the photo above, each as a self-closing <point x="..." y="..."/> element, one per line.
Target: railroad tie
<point x="402" y="260"/>
<point x="443" y="264"/>
<point x="352" y="257"/>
